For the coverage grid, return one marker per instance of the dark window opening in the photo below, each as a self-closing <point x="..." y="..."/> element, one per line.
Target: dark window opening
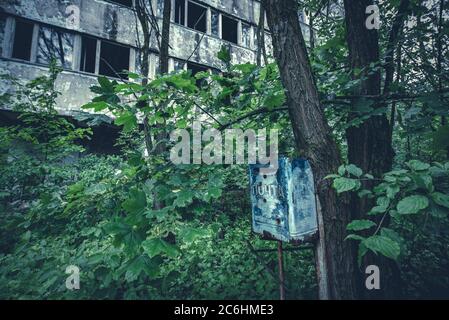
<point x="180" y="11"/>
<point x="114" y="59"/>
<point x="128" y="3"/>
<point x="23" y="38"/>
<point x="178" y="65"/>
<point x="196" y="68"/>
<point x="55" y="44"/>
<point x="229" y="29"/>
<point x="197" y="17"/>
<point x="88" y="54"/>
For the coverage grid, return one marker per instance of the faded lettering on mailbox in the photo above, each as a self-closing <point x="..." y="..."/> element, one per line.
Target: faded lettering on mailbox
<point x="283" y="202"/>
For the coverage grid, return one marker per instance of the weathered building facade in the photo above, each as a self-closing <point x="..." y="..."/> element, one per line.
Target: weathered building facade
<point x="89" y="38"/>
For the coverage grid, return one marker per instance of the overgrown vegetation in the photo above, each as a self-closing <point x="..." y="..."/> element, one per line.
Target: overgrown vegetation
<point x="140" y="227"/>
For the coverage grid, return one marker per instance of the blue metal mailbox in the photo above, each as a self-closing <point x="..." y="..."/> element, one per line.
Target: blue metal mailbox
<point x="283" y="202"/>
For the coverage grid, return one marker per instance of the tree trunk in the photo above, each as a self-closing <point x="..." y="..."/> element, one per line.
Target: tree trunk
<point x="165" y="41"/>
<point x="370" y="144"/>
<point x="314" y="141"/>
<point x="144" y="21"/>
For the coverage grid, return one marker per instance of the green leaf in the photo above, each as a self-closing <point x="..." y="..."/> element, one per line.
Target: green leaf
<point x="423" y="181"/>
<point x="184" y="198"/>
<point x="341" y="170"/>
<point x="136" y="202"/>
<point x="141" y="264"/>
<point x="96" y="106"/>
<point x="354" y="170"/>
<point x="224" y="55"/>
<point x="189" y="234"/>
<point x="128" y="120"/>
<point x="441" y="199"/>
<point x="354" y="237"/>
<point x="392" y="190"/>
<point x="156" y="246"/>
<point x="382" y="206"/>
<point x="105" y="84"/>
<point x="412" y="204"/>
<point x="275" y="100"/>
<point x="358" y="225"/>
<point x="346" y="184"/>
<point x="417" y="165"/>
<point x="390" y="233"/>
<point x="438" y="211"/>
<point x="383" y="245"/>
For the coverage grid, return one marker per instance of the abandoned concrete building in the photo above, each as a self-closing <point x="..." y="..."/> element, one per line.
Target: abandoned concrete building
<point x="96" y="37"/>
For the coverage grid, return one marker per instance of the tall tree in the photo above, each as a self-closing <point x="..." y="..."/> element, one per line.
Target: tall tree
<point x="369" y="144"/>
<point x="314" y="140"/>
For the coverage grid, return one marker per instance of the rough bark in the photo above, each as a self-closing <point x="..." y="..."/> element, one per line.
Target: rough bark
<point x="370" y="144"/>
<point x="165" y="41"/>
<point x="314" y="141"/>
<point x="144" y="21"/>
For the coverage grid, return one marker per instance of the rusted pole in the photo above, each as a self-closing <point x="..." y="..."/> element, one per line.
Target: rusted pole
<point x="320" y="258"/>
<point x="281" y="271"/>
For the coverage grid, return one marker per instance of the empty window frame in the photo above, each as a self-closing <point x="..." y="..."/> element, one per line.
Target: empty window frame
<point x="178" y="65"/>
<point x="180" y="11"/>
<point x="229" y="29"/>
<point x="55" y="44"/>
<point x="196" y="17"/>
<point x="215" y="23"/>
<point x="127" y="3"/>
<point x="23" y="39"/>
<point x="246" y="35"/>
<point x="88" y="57"/>
<point x="114" y="59"/>
<point x="196" y="68"/>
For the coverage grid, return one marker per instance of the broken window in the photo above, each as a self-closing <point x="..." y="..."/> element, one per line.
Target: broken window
<point x="128" y="3"/>
<point x="114" y="59"/>
<point x="2" y="33"/>
<point x="246" y="35"/>
<point x="178" y="65"/>
<point x="215" y="23"/>
<point x="196" y="68"/>
<point x="55" y="44"/>
<point x="196" y="18"/>
<point x="88" y="54"/>
<point x="229" y="29"/>
<point x="23" y="37"/>
<point x="180" y="11"/>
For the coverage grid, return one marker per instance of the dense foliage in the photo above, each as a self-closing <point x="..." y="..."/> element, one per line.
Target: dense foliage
<point x="139" y="227"/>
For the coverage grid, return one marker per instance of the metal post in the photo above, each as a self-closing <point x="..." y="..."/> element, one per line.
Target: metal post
<point x="281" y="271"/>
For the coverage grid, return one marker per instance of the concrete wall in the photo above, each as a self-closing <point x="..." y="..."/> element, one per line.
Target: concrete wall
<point x="109" y="21"/>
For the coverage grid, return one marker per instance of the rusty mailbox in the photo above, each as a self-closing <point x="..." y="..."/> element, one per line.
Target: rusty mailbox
<point x="283" y="201"/>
